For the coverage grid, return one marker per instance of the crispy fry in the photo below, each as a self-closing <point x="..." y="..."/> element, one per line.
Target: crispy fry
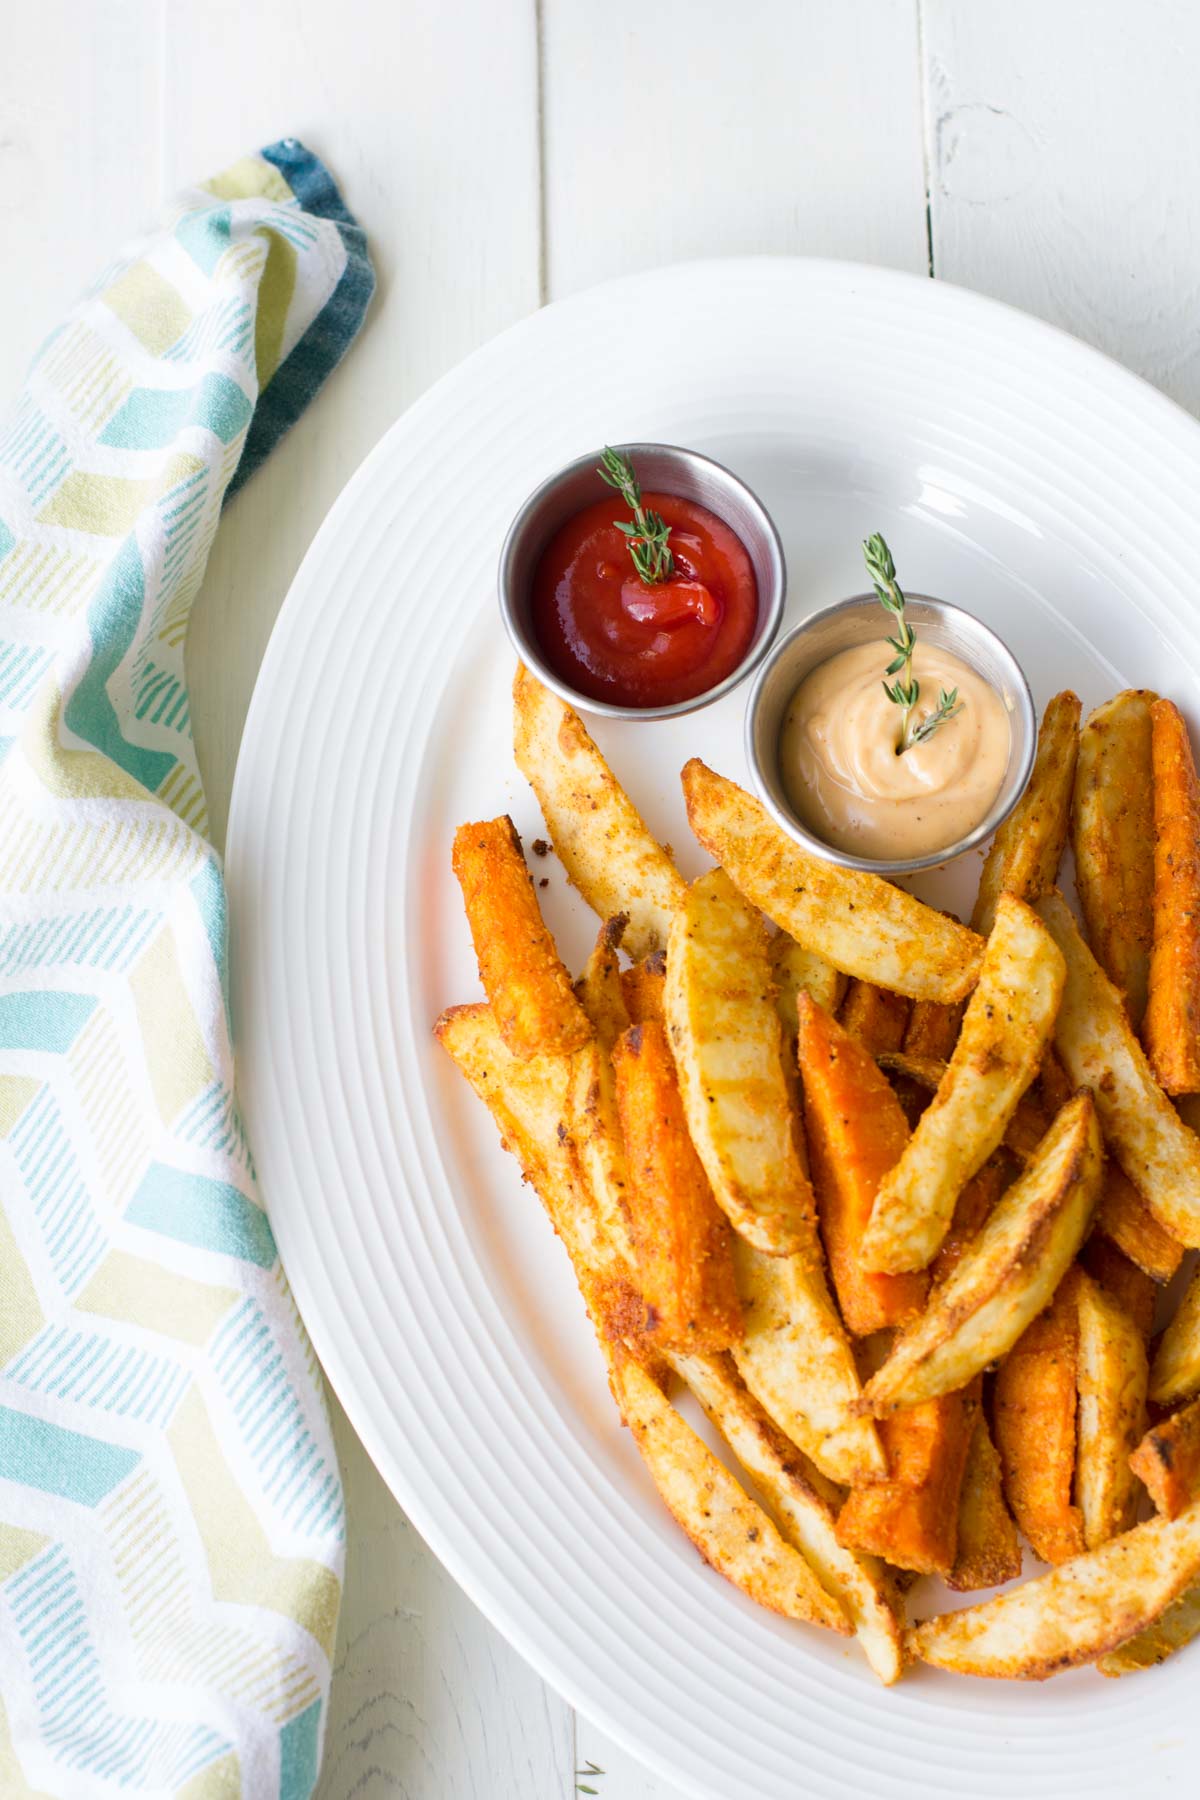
<point x="1112" y="832"/>
<point x="1004" y="1033"/>
<point x="1024" y="1131"/>
<point x="644" y="987"/>
<point x="733" y="1535"/>
<point x="601" y="841"/>
<point x="726" y="1036"/>
<point x="856" y="1131"/>
<point x="1167" y="1461"/>
<point x="1035" y="1412"/>
<point x="804" y="1514"/>
<point x="1028" y="847"/>
<point x="793" y="967"/>
<point x="1171" y="1027"/>
<point x="529" y="990"/>
<point x="875" y="1018"/>
<point x="1124" y="1217"/>
<point x="1175" y="1371"/>
<point x="855" y="921"/>
<point x="1112" y="1414"/>
<point x="1093" y="1036"/>
<point x="1007" y="1275"/>
<point x="972" y="1210"/>
<point x="680" y="1235"/>
<point x="797" y="1362"/>
<point x="911" y="1518"/>
<point x="932" y="1030"/>
<point x="1074" y="1614"/>
<point x="598" y="989"/>
<point x="989" y="1550"/>
<point x="1175" y="1629"/>
<point x="1129" y="1286"/>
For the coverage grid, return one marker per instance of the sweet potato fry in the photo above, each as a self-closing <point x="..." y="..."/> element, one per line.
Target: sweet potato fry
<point x="1131" y="1287"/>
<point x="681" y="1237"/>
<point x="1143" y="1131"/>
<point x="989" y="1550"/>
<point x="805" y="1516"/>
<point x="1008" y="1273"/>
<point x="1112" y="1414"/>
<point x="911" y="1518"/>
<point x="1074" y="1614"/>
<point x="1171" y="1027"/>
<point x="1028" y="847"/>
<point x="1112" y="832"/>
<point x="1167" y="1461"/>
<point x="797" y="1362"/>
<point x="644" y="988"/>
<point x="523" y="977"/>
<point x="932" y="1030"/>
<point x="875" y="1018"/>
<point x="1124" y="1217"/>
<point x="1005" y="1031"/>
<point x="792" y="968"/>
<point x="599" y="990"/>
<point x="856" y="1131"/>
<point x="727" y="1039"/>
<point x="733" y="1535"/>
<point x="602" y="842"/>
<point x="1175" y="1371"/>
<point x="1175" y="1629"/>
<point x="855" y="921"/>
<point x="1035" y="1404"/>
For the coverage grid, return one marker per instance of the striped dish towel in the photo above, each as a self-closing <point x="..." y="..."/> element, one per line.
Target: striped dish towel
<point x="171" y="1527"/>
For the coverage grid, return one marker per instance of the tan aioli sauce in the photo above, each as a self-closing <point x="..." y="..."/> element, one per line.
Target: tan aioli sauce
<point x="843" y="776"/>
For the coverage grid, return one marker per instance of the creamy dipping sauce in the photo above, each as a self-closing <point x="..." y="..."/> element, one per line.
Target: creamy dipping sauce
<point x="842" y="774"/>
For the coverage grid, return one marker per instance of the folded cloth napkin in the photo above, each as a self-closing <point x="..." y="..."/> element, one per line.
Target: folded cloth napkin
<point x="171" y="1525"/>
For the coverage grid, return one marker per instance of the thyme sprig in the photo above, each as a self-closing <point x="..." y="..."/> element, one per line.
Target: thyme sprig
<point x="906" y="691"/>
<point x="646" y="534"/>
<point x="592" y="1769"/>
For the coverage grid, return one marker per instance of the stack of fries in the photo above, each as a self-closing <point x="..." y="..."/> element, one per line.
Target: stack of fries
<point x="894" y="1198"/>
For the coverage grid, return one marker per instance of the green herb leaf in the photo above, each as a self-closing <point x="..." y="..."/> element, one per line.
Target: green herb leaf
<point x="906" y="692"/>
<point x="647" y="535"/>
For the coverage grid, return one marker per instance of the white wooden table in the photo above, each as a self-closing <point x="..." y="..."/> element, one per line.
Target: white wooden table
<point x="502" y="153"/>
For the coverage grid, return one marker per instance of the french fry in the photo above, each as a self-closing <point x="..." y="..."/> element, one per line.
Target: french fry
<point x="523" y="977"/>
<point x="1024" y="1131"/>
<point x="1005" y="1031"/>
<point x="727" y="1039"/>
<point x="1073" y="1615"/>
<point x="603" y="844"/>
<point x="1008" y="1273"/>
<point x="911" y="1518"/>
<point x="733" y="1534"/>
<point x="974" y="1207"/>
<point x="644" y="986"/>
<point x="856" y="1131"/>
<point x="681" y="1237"/>
<point x="855" y="921"/>
<point x="1171" y="1027"/>
<point x="797" y="1362"/>
<point x="932" y="1030"/>
<point x="1167" y="1461"/>
<point x="875" y="1018"/>
<point x="1035" y="1412"/>
<point x="1143" y="1131"/>
<point x="1124" y="1217"/>
<point x="988" y="1551"/>
<point x="599" y="990"/>
<point x="1112" y="1414"/>
<point x="1175" y="1629"/>
<point x="1132" y="1289"/>
<point x="1175" y="1371"/>
<point x="792" y="968"/>
<point x="1026" y="851"/>
<point x="804" y="1514"/>
<point x="1112" y="833"/>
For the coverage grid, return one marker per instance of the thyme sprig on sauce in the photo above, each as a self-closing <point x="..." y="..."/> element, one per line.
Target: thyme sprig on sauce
<point x="646" y="534"/>
<point x="906" y="690"/>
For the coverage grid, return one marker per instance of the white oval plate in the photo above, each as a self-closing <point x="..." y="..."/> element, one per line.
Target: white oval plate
<point x="1012" y="470"/>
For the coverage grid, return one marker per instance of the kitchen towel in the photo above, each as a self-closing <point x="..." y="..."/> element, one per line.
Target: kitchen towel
<point x="171" y="1524"/>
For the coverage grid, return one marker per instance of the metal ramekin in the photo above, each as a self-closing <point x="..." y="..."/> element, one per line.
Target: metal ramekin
<point x="662" y="468"/>
<point x="860" y="620"/>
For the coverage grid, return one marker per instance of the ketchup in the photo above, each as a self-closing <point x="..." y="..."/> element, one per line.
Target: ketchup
<point x="612" y="637"/>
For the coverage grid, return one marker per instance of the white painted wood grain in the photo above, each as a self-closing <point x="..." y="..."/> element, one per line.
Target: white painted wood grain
<point x="1064" y="148"/>
<point x="694" y="128"/>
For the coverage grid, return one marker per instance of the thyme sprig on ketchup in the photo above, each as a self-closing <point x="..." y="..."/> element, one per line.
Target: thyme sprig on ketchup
<point x="905" y="692"/>
<point x="644" y="612"/>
